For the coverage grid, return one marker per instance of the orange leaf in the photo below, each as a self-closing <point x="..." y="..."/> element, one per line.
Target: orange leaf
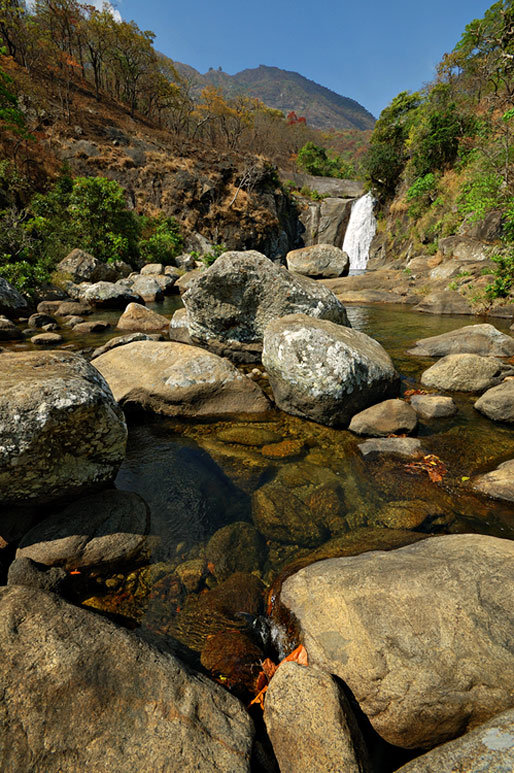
<point x="268" y="668"/>
<point x="299" y="655"/>
<point x="75" y="571"/>
<point x="210" y="567"/>
<point x="259" y="698"/>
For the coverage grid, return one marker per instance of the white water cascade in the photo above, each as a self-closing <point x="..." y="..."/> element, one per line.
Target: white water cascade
<point x="360" y="232"/>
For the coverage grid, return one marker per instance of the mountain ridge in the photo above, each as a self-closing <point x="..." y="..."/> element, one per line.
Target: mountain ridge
<point x="285" y="90"/>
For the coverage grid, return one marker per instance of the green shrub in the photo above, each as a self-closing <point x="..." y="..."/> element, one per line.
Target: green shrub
<point x="213" y="254"/>
<point x="503" y="283"/>
<point x="161" y="239"/>
<point x="480" y="195"/>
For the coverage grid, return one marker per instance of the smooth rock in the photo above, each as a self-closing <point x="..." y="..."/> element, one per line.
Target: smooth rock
<point x="46" y="339"/>
<point x="498" y="403"/>
<point x="178" y="380"/>
<point x="81" y="266"/>
<point x="60" y="428"/>
<point x="466" y="373"/>
<point x="236" y="298"/>
<point x="126" y="339"/>
<point x="433" y="406"/>
<point x="72" y="308"/>
<point x="392" y="417"/>
<point x="486" y="749"/>
<point x="152" y="268"/>
<point x="12" y="303"/>
<point x="323" y="371"/>
<point x="24" y="571"/>
<point x="166" y="282"/>
<point x="187" y="280"/>
<point x="310" y="723"/>
<point x="148" y="289"/>
<point x="473" y="339"/>
<point x="94" y="326"/>
<point x="422" y="635"/>
<point x="100" y="530"/>
<point x="396" y="446"/>
<point x="9" y="331"/>
<point x="498" y="484"/>
<point x="100" y="698"/>
<point x="179" y="327"/>
<point x="319" y="260"/>
<point x="446" y="302"/>
<point x="107" y="295"/>
<point x="138" y="317"/>
<point x="39" y="320"/>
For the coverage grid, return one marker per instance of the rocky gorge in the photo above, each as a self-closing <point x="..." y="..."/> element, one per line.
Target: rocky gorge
<point x="195" y="484"/>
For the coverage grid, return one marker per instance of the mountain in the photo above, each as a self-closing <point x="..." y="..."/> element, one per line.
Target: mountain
<point x="285" y="91"/>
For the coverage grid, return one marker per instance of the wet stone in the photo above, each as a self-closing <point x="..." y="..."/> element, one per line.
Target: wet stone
<point x="248" y="436"/>
<point x="238" y="547"/>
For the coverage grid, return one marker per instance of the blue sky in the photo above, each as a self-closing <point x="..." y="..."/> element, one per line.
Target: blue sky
<point x="368" y="51"/>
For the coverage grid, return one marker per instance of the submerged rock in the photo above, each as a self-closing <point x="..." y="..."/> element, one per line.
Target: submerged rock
<point x="100" y="530"/>
<point x="498" y="403"/>
<point x="325" y="372"/>
<point x="396" y="446"/>
<point x="62" y="432"/>
<point x="234" y="300"/>
<point x="178" y="380"/>
<point x="466" y="373"/>
<point x="423" y="638"/>
<point x="319" y="260"/>
<point x="392" y="417"/>
<point x="498" y="484"/>
<point x="310" y="723"/>
<point x="238" y="547"/>
<point x="473" y="339"/>
<point x="488" y="748"/>
<point x="113" y="701"/>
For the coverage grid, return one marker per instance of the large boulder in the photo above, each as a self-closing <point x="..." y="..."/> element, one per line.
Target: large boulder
<point x="109" y="295"/>
<point x="323" y="371"/>
<point x="445" y="302"/>
<point x="433" y="406"/>
<point x="486" y="749"/>
<point x="81" y="266"/>
<point x="101" y="530"/>
<point x="392" y="417"/>
<point x="139" y="318"/>
<point x="11" y="302"/>
<point x="310" y="723"/>
<point x="466" y="373"/>
<point x="80" y="693"/>
<point x="235" y="299"/>
<point x="319" y="260"/>
<point x="148" y="288"/>
<point x="472" y="339"/>
<point x="61" y="431"/>
<point x="423" y="636"/>
<point x="499" y="483"/>
<point x="498" y="403"/>
<point x="112" y="343"/>
<point x="178" y="380"/>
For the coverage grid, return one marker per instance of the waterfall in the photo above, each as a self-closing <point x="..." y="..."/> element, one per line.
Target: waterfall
<point x="360" y="232"/>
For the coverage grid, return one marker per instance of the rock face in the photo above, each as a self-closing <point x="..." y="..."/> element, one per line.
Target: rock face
<point x="498" y="484"/>
<point x="498" y="403"/>
<point x="234" y="300"/>
<point x="433" y="406"/>
<point x="466" y="373"/>
<point x="100" y="530"/>
<point x="319" y="260"/>
<point x="62" y="432"/>
<point x="108" y="295"/>
<point x="11" y="302"/>
<point x="323" y="371"/>
<point x="472" y="339"/>
<point x="446" y="302"/>
<point x="97" y="697"/>
<point x="392" y="417"/>
<point x="423" y="635"/>
<point x="178" y="380"/>
<point x="486" y="749"/>
<point x="137" y="317"/>
<point x="83" y="267"/>
<point x="310" y="723"/>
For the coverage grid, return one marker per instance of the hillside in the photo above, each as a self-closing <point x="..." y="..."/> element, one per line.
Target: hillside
<point x="286" y="91"/>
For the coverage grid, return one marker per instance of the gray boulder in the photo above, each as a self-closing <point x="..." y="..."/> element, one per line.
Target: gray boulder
<point x="466" y="373"/>
<point x="488" y="748"/>
<point x="433" y="406"/>
<point x="179" y="327"/>
<point x="108" y="295"/>
<point x="423" y="635"/>
<point x="323" y="371"/>
<point x="473" y="339"/>
<point x="392" y="417"/>
<point x="62" y="432"/>
<point x="11" y="302"/>
<point x="311" y="724"/>
<point x="151" y="269"/>
<point x="178" y="380"/>
<point x="9" y="331"/>
<point x="25" y="572"/>
<point x="148" y="288"/>
<point x="235" y="299"/>
<point x="498" y="403"/>
<point x="96" y="697"/>
<point x="167" y="282"/>
<point x="81" y="266"/>
<point x="319" y="260"/>
<point x="139" y="318"/>
<point x="100" y="530"/>
<point x="126" y="339"/>
<point x="498" y="484"/>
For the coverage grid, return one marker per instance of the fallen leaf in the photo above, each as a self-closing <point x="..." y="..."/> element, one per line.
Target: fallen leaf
<point x="259" y="698"/>
<point x="465" y="477"/>
<point x="299" y="655"/>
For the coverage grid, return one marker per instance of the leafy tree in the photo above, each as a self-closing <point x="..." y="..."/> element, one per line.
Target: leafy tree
<point x="11" y="117"/>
